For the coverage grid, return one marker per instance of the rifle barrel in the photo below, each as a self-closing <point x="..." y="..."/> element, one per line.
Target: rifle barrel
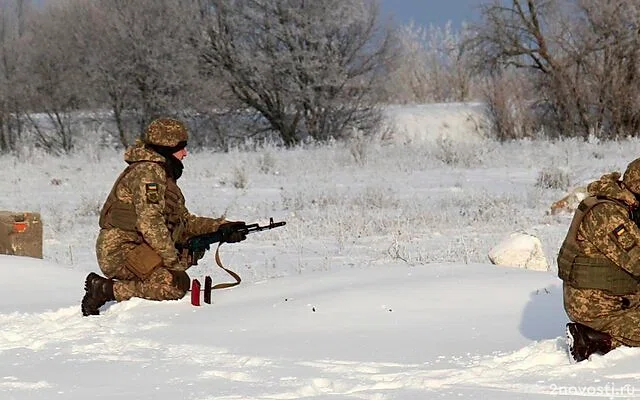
<point x="256" y="227"/>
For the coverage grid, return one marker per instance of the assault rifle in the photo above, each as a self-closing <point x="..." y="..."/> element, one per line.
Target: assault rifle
<point x="197" y="245"/>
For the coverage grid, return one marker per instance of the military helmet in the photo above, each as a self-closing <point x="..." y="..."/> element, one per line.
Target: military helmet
<point x="166" y="132"/>
<point x="631" y="177"/>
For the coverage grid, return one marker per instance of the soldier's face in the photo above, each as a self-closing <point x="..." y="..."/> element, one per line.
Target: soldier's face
<point x="180" y="154"/>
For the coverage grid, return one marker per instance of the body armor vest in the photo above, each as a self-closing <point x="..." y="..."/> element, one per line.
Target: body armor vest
<point x="582" y="272"/>
<point x="118" y="214"/>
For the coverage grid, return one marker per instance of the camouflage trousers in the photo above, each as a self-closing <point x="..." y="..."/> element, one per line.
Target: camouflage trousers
<point x="162" y="284"/>
<point x="619" y="316"/>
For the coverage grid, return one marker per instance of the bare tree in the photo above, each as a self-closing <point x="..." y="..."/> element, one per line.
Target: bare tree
<point x="13" y="14"/>
<point x="608" y="60"/>
<point x="581" y="54"/>
<point x="432" y="65"/>
<point x="142" y="59"/>
<point x="138" y="60"/>
<point x="307" y="67"/>
<point x="510" y="105"/>
<point x="55" y="85"/>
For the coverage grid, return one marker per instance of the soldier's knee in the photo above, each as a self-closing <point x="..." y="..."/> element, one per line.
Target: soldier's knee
<point x="173" y="294"/>
<point x="166" y="284"/>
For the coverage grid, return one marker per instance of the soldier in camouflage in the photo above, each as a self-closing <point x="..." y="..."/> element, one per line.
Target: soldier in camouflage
<point x="599" y="263"/>
<point x="146" y="209"/>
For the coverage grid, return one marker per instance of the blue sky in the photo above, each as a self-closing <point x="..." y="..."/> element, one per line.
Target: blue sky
<point x="436" y="12"/>
<point x="425" y="12"/>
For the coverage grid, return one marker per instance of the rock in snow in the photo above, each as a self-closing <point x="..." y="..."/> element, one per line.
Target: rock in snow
<point x="520" y="250"/>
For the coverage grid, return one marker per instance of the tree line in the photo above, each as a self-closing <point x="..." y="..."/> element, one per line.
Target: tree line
<point x="296" y="70"/>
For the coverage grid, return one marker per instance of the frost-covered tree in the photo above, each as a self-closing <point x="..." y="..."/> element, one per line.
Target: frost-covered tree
<point x="55" y="87"/>
<point x="431" y="65"/>
<point x="13" y="16"/>
<point x="582" y="56"/>
<point x="140" y="58"/>
<point x="307" y="67"/>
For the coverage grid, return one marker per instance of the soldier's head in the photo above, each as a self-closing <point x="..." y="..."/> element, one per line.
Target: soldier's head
<point x="167" y="135"/>
<point x="631" y="177"/>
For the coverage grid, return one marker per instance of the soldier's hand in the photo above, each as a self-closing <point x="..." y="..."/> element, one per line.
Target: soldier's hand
<point x="192" y="258"/>
<point x="232" y="231"/>
<point x="197" y="256"/>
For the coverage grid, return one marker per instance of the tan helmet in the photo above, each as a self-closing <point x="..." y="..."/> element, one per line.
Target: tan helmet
<point x="166" y="132"/>
<point x="631" y="177"/>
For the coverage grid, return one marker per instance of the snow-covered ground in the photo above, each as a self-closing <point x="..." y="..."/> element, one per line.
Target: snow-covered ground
<point x="378" y="287"/>
<point x="421" y="123"/>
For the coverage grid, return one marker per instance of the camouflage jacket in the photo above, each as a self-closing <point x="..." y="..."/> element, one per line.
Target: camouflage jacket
<point x="606" y="231"/>
<point x="607" y="228"/>
<point x="147" y="200"/>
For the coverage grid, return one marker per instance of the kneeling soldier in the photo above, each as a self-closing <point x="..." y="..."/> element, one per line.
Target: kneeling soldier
<point x="141" y="221"/>
<point x="599" y="263"/>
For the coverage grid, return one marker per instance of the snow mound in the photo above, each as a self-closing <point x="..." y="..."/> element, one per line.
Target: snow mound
<point x="520" y="250"/>
<point x="34" y="285"/>
<point x="432" y="122"/>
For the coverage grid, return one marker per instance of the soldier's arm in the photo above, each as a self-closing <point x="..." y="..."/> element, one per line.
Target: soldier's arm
<point x="148" y="186"/>
<point x="608" y="227"/>
<point x="196" y="225"/>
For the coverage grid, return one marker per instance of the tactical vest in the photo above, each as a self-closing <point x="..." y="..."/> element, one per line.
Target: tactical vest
<point x="118" y="214"/>
<point x="582" y="272"/>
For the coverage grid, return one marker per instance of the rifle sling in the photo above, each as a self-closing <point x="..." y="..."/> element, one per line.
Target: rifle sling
<point x="230" y="272"/>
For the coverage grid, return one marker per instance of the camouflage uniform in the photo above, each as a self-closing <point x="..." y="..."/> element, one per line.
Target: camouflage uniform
<point x="146" y="205"/>
<point x="608" y="239"/>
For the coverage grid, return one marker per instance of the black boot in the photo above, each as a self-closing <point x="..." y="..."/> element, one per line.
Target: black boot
<point x="584" y="341"/>
<point x="99" y="290"/>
